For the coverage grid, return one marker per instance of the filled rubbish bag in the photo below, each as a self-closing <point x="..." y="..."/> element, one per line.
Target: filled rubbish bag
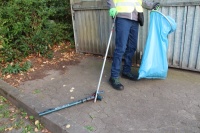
<point x="154" y="63"/>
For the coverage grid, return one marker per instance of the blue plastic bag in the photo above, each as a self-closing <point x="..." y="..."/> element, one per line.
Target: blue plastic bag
<point x="154" y="63"/>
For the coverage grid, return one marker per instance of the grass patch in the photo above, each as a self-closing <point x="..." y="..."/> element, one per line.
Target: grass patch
<point x="12" y="118"/>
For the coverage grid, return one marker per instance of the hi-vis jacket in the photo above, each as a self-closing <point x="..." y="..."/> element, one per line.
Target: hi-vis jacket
<point x="129" y="8"/>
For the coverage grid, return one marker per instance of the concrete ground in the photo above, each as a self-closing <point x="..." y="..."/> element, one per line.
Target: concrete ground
<point x="145" y="106"/>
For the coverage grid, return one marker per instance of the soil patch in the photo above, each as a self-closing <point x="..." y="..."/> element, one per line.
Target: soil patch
<point x="63" y="56"/>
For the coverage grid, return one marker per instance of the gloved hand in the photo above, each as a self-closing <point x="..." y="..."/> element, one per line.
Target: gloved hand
<point x="156" y="6"/>
<point x="113" y="12"/>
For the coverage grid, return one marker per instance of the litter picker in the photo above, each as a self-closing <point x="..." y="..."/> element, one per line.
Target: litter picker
<point x="89" y="98"/>
<point x="111" y="33"/>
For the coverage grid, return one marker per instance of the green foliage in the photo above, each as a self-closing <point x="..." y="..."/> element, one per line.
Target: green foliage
<point x="13" y="119"/>
<point x="28" y="128"/>
<point x="90" y="128"/>
<point x="31" y="117"/>
<point x="32" y="27"/>
<point x="16" y="68"/>
<point x="37" y="91"/>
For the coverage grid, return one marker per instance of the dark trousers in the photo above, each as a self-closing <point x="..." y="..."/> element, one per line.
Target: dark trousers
<point x="125" y="45"/>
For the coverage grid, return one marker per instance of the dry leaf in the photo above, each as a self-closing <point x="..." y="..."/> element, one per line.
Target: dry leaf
<point x="68" y="126"/>
<point x="37" y="122"/>
<point x="8" y="76"/>
<point x="36" y="130"/>
<point x="12" y="110"/>
<point x="12" y="119"/>
<point x="44" y="131"/>
<point x="9" y="129"/>
<point x="72" y="89"/>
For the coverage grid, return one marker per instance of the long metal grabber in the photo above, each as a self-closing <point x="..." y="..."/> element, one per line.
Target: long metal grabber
<point x="108" y="45"/>
<point x="48" y="111"/>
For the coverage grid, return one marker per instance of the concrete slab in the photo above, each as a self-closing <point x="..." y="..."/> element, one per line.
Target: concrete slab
<point x="145" y="106"/>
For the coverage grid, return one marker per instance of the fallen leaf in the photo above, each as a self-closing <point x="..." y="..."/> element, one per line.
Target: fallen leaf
<point x="12" y="119"/>
<point x="44" y="131"/>
<point x="71" y="97"/>
<point x="68" y="126"/>
<point x="9" y="129"/>
<point x="12" y="110"/>
<point x="36" y="130"/>
<point x="8" y="76"/>
<point x="37" y="122"/>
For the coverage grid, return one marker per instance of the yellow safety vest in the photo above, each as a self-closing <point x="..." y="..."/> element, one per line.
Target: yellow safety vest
<point x="128" y="6"/>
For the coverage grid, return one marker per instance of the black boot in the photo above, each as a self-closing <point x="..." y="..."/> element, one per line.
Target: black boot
<point x="116" y="84"/>
<point x="130" y="76"/>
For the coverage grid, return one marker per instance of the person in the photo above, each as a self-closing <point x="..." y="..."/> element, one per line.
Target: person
<point x="128" y="15"/>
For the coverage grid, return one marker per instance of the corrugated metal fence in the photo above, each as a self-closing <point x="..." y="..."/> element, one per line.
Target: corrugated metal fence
<point x="92" y="27"/>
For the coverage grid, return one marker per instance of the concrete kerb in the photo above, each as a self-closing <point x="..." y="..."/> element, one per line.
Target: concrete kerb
<point x="54" y="122"/>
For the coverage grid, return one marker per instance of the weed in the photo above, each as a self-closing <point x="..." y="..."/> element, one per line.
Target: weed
<point x="31" y="117"/>
<point x="2" y="128"/>
<point x="28" y="128"/>
<point x="18" y="124"/>
<point x="90" y="128"/>
<point x="16" y="68"/>
<point x="36" y="91"/>
<point x="6" y="114"/>
<point x="2" y="99"/>
<point x="24" y="114"/>
<point x="16" y="119"/>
